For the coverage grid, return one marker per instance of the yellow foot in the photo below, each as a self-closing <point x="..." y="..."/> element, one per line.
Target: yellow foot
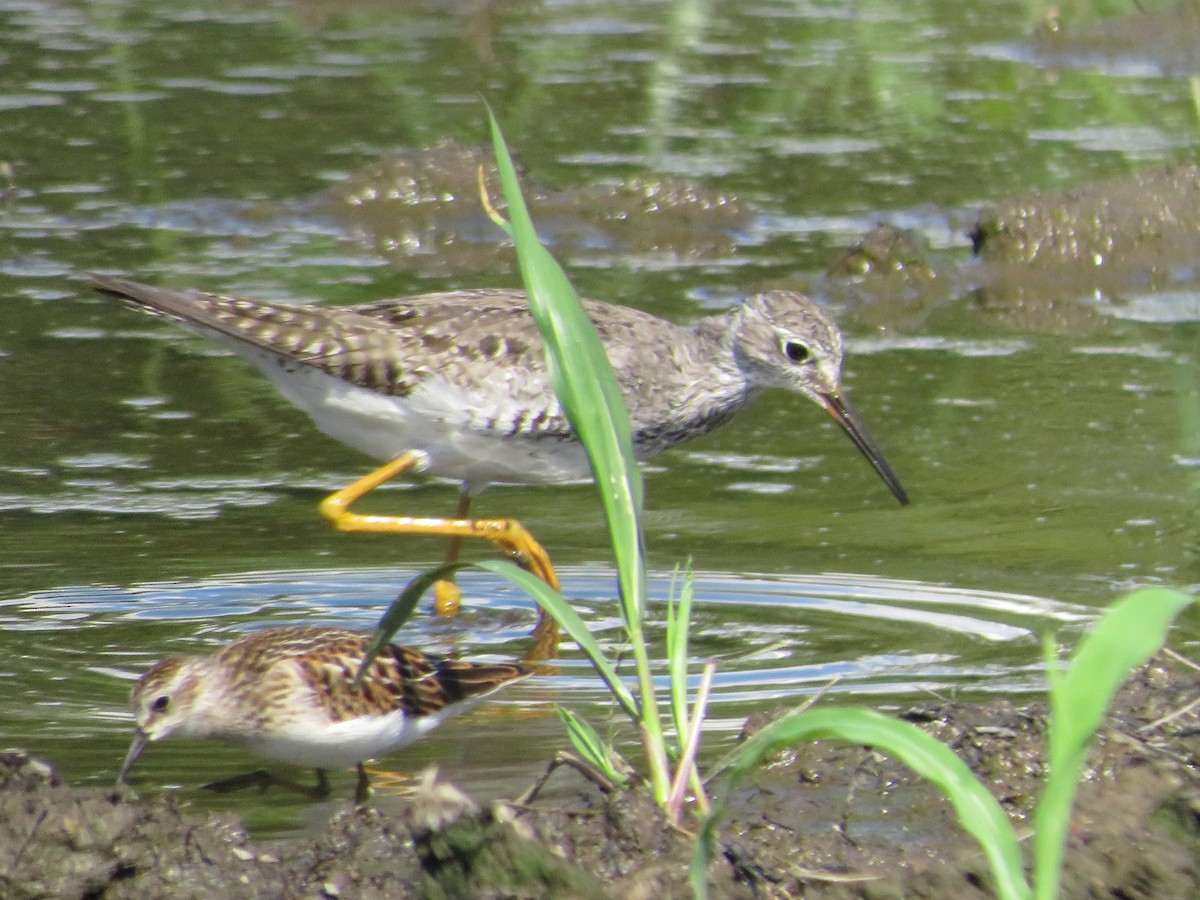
<point x="389" y="784"/>
<point x="447" y="598"/>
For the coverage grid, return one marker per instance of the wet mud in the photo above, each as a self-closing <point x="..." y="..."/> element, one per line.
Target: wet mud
<point x="1040" y="262"/>
<point x="422" y="211"/>
<point x="821" y="820"/>
<point x="1166" y="40"/>
<point x="1037" y="263"/>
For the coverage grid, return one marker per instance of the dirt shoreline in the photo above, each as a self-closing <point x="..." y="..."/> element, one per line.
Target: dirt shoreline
<point x="820" y="821"/>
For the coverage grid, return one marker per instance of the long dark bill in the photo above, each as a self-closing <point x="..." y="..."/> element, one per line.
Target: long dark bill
<point x="135" y="750"/>
<point x="848" y="419"/>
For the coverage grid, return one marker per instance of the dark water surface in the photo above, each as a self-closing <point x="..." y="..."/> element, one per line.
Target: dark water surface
<point x="156" y="495"/>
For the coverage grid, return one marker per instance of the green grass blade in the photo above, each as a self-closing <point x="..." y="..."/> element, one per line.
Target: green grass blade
<point x="1129" y="633"/>
<point x="679" y="615"/>
<point x="586" y="387"/>
<point x="977" y="810"/>
<point x="588" y="744"/>
<point x="400" y="610"/>
<point x="557" y="607"/>
<point x="584" y="738"/>
<point x="1132" y="631"/>
<point x="686" y="771"/>
<point x="702" y="856"/>
<point x="554" y="603"/>
<point x="583" y="380"/>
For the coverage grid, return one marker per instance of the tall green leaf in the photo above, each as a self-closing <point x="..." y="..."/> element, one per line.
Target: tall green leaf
<point x="557" y="607"/>
<point x="1132" y="631"/>
<point x="587" y="387"/>
<point x="399" y="611"/>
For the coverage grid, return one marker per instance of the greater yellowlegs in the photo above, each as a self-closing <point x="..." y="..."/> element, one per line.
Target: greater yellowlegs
<point x="455" y="384"/>
<point x="288" y="694"/>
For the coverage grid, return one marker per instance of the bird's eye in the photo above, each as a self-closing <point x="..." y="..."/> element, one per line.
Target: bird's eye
<point x="160" y="703"/>
<point x="796" y="351"/>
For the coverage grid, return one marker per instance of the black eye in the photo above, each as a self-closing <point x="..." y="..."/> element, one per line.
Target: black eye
<point x="160" y="703"/>
<point x="796" y="351"/>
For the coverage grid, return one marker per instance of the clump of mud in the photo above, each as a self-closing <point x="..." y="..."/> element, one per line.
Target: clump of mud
<point x="1056" y="262"/>
<point x="422" y="211"/>
<point x="820" y="821"/>
<point x="1043" y="255"/>
<point x="1152" y="213"/>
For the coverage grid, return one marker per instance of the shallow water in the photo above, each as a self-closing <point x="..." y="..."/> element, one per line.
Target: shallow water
<point x="778" y="639"/>
<point x="157" y="496"/>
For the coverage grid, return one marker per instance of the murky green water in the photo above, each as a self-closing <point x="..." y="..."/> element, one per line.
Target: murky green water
<point x="157" y="496"/>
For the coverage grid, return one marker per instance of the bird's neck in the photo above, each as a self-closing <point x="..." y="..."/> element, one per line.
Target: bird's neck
<point x="210" y="701"/>
<point x="725" y="382"/>
<point x="710" y="390"/>
<point x="719" y="330"/>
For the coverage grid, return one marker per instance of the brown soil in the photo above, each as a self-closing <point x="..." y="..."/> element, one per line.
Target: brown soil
<point x="821" y="821"/>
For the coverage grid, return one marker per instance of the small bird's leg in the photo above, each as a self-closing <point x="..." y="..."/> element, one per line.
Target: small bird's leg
<point x="363" y="789"/>
<point x="507" y="534"/>
<point x="262" y="779"/>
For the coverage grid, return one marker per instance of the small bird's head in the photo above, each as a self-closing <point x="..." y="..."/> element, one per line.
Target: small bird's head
<point x="162" y="703"/>
<point x="783" y="339"/>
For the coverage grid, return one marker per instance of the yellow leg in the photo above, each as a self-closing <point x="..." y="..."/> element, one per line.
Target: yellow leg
<point x="507" y="534"/>
<point x="447" y="598"/>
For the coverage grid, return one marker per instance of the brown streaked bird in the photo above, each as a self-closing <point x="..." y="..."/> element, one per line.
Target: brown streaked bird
<point x="288" y="694"/>
<point x="455" y="384"/>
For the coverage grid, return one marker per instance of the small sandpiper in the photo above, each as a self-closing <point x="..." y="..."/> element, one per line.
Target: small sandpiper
<point x="455" y="384"/>
<point x="288" y="694"/>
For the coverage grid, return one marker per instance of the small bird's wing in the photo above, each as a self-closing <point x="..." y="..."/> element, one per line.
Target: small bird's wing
<point x="257" y="654"/>
<point x="400" y="678"/>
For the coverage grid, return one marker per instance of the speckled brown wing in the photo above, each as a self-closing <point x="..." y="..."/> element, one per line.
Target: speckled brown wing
<point x="400" y="678"/>
<point x="474" y="340"/>
<point x="359" y="349"/>
<point x="256" y="653"/>
<point x="432" y="683"/>
<point x="481" y="352"/>
<point x="486" y="343"/>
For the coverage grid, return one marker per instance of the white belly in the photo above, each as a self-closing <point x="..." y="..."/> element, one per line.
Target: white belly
<point x="343" y="744"/>
<point x="432" y="421"/>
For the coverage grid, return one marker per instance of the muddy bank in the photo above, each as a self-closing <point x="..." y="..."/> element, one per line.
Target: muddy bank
<point x="1040" y="259"/>
<point x="1046" y="257"/>
<point x="821" y="821"/>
